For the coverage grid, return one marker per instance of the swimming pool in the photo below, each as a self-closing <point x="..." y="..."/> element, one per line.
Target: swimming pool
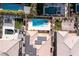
<point x="39" y="23"/>
<point x="10" y="6"/>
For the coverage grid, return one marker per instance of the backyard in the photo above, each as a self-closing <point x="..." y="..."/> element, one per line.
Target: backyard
<point x="18" y="23"/>
<point x="58" y="24"/>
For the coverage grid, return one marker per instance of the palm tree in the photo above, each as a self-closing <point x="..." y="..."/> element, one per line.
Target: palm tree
<point x="33" y="9"/>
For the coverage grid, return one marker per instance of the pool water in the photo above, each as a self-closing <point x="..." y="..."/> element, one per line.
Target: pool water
<point x="39" y="22"/>
<point x="11" y="6"/>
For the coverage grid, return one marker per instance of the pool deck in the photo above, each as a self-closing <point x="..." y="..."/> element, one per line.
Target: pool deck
<point x="68" y="25"/>
<point x="30" y="27"/>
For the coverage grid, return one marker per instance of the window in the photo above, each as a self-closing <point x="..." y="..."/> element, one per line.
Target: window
<point x="9" y="31"/>
<point x="8" y="20"/>
<point x="53" y="10"/>
<point x="58" y="10"/>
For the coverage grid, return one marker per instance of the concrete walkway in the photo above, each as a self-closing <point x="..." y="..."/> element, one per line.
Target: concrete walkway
<point x="68" y="25"/>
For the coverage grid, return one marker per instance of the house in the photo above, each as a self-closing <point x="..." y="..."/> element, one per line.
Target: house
<point x="10" y="13"/>
<point x="67" y="44"/>
<point x="52" y="9"/>
<point x="37" y="44"/>
<point x="9" y="47"/>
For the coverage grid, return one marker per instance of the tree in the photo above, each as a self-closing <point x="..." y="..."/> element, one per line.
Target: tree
<point x="33" y="9"/>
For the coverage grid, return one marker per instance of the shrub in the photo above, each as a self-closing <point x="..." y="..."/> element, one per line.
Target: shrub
<point x="12" y="12"/>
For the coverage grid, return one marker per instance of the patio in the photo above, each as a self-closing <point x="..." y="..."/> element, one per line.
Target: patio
<point x="68" y="25"/>
<point x="38" y="43"/>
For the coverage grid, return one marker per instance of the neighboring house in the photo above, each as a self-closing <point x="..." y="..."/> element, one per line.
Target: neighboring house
<point x="53" y="9"/>
<point x="9" y="42"/>
<point x="67" y="44"/>
<point x="16" y="6"/>
<point x="8" y="26"/>
<point x="10" y="35"/>
<point x="9" y="47"/>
